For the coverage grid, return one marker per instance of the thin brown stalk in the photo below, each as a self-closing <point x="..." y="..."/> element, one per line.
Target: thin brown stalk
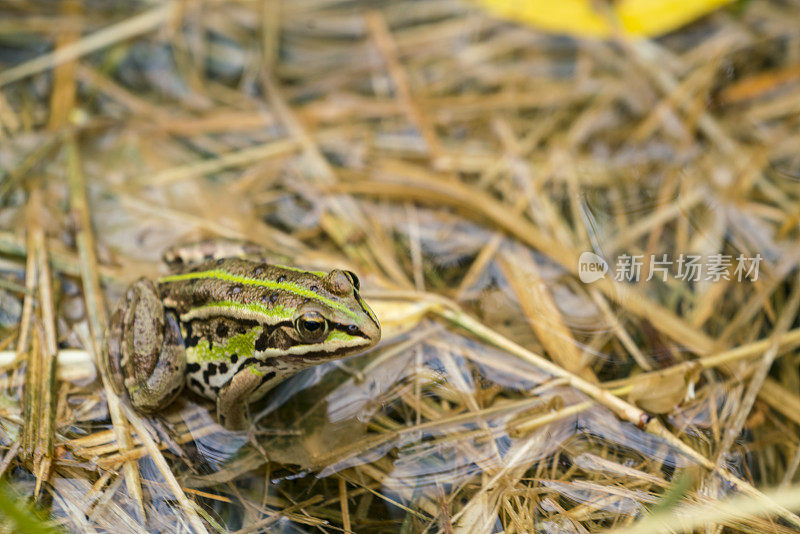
<point x="380" y="33"/>
<point x="96" y="312"/>
<point x="735" y="426"/>
<point x="155" y="454"/>
<point x="624" y="410"/>
<point x="438" y="191"/>
<point x="100" y="39"/>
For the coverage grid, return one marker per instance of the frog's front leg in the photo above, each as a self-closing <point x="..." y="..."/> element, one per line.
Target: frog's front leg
<point x="145" y="355"/>
<point x="235" y="396"/>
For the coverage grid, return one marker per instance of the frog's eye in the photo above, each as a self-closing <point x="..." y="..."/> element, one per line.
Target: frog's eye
<point x="311" y="326"/>
<point x="353" y="279"/>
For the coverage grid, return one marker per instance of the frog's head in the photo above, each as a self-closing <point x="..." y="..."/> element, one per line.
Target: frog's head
<point x="336" y="320"/>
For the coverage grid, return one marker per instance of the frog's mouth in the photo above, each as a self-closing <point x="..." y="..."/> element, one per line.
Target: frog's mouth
<point x="368" y="311"/>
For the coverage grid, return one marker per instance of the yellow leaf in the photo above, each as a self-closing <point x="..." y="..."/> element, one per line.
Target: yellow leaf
<point x="586" y="18"/>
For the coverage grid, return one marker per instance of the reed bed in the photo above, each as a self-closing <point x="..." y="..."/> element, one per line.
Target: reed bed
<point x="462" y="165"/>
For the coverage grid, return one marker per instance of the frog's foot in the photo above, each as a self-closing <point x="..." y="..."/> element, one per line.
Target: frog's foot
<point x="145" y="355"/>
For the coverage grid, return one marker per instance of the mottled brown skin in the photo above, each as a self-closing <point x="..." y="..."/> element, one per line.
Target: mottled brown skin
<point x="145" y="349"/>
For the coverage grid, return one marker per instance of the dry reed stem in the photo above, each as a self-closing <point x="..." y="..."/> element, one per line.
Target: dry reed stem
<point x="26" y="317"/>
<point x="96" y="312"/>
<point x="762" y="367"/>
<point x="542" y="313"/>
<point x="439" y="192"/>
<point x="226" y="161"/>
<point x="695" y="515"/>
<point x="785" y="341"/>
<point x="62" y="99"/>
<point x="9" y="457"/>
<point x="163" y="467"/>
<point x="39" y="401"/>
<point x="380" y="33"/>
<point x="621" y="408"/>
<point x="100" y="39"/>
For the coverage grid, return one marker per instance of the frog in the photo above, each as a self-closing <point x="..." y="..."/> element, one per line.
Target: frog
<point x="229" y="327"/>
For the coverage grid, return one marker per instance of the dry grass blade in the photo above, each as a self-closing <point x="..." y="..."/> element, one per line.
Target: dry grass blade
<point x="695" y="515"/>
<point x="623" y="409"/>
<point x="388" y="49"/>
<point x="96" y="312"/>
<point x="788" y="316"/>
<point x="39" y="404"/>
<point x="101" y="39"/>
<point x="163" y="467"/>
<point x="543" y="314"/>
<point x="463" y="197"/>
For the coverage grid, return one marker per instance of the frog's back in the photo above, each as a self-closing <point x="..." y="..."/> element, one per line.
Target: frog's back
<point x="268" y="291"/>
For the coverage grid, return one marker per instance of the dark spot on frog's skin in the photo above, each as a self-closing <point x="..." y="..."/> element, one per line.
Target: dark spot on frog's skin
<point x="222" y="330"/>
<point x="192" y="367"/>
<point x="279" y="339"/>
<point x="211" y="370"/>
<point x="281" y="278"/>
<point x="223" y="368"/>
<point x="215" y="389"/>
<point x="208" y="256"/>
<point x="236" y="289"/>
<point x="268" y="376"/>
<point x="314" y="288"/>
<point x="220" y="261"/>
<point x="261" y="342"/>
<point x="247" y="362"/>
<point x="271" y="362"/>
<point x="195" y="383"/>
<point x="258" y="271"/>
<point x="234" y="358"/>
<point x="191" y="341"/>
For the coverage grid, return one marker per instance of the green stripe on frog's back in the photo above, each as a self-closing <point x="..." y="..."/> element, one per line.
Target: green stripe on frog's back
<point x="254" y="312"/>
<point x="319" y="274"/>
<point x="289" y="287"/>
